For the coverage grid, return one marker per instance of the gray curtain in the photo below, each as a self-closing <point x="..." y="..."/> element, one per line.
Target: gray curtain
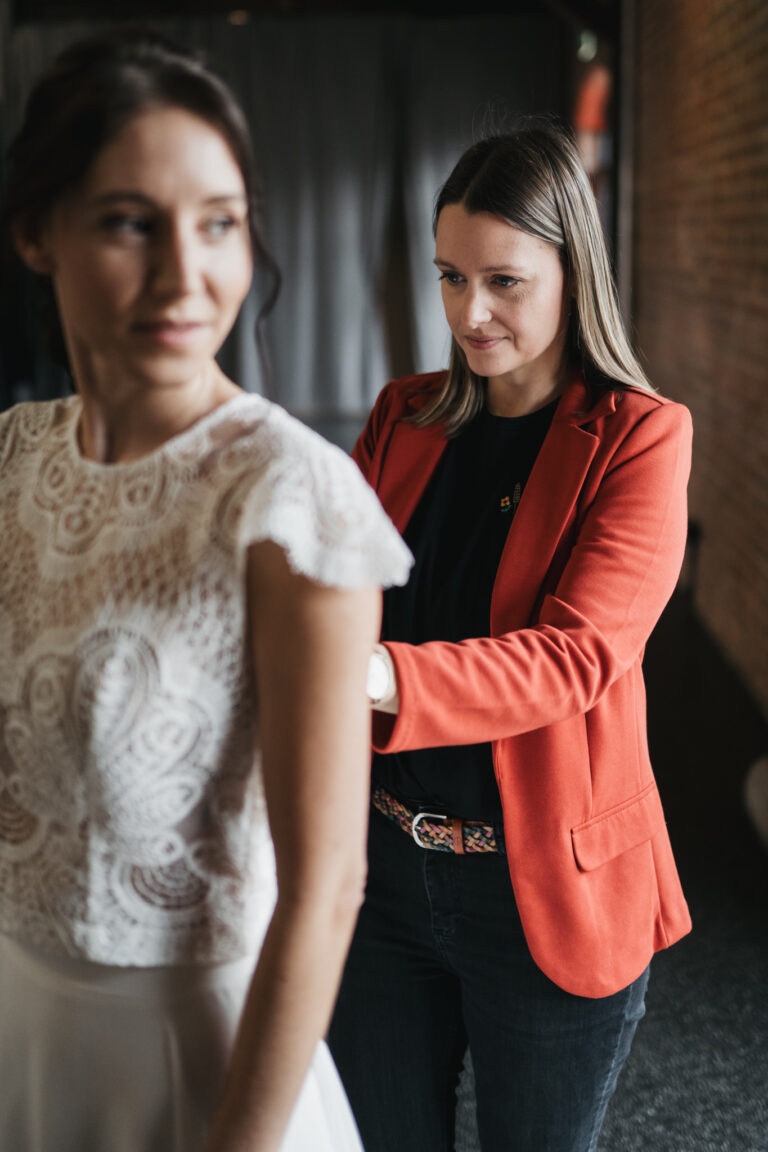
<point x="317" y="101"/>
<point x="466" y="79"/>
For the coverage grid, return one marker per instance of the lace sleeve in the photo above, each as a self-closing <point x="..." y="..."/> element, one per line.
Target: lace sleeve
<point x="313" y="501"/>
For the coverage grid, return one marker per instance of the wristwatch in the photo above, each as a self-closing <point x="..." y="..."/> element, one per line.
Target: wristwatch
<point x="379" y="683"/>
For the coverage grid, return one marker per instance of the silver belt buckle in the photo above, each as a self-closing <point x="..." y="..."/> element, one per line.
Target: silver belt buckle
<point x="415" y="826"/>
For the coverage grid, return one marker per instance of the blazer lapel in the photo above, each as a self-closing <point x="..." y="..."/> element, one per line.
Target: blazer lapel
<point x="547" y="506"/>
<point x="412" y="456"/>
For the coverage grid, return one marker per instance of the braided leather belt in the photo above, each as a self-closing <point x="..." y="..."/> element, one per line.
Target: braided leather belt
<point x="434" y="830"/>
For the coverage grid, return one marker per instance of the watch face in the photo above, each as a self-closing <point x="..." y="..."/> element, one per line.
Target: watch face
<point x="378" y="678"/>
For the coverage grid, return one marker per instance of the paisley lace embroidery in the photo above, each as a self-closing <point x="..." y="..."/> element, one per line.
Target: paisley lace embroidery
<point x="133" y="827"/>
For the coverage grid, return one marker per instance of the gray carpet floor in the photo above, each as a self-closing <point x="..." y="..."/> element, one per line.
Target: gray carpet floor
<point x="697" y="1077"/>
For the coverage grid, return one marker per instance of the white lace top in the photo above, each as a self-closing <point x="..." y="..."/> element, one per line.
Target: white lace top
<point x="133" y="828"/>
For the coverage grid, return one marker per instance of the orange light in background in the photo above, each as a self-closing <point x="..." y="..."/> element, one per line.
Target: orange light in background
<point x="239" y="16"/>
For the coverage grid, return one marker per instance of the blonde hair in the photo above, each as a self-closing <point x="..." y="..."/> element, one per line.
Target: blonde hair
<point x="533" y="179"/>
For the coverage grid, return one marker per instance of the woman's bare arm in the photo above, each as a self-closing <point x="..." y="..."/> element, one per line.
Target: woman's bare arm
<point x="311" y="645"/>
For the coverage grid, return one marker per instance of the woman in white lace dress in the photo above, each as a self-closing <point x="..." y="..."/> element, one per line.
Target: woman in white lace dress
<point x="188" y="598"/>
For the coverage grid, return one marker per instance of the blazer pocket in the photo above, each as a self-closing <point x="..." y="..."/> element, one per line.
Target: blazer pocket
<point x="603" y="837"/>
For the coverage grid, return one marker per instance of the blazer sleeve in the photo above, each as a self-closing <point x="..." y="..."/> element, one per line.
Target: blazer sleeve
<point x="620" y="573"/>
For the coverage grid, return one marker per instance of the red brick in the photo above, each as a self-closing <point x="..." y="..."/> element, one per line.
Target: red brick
<point x="701" y="286"/>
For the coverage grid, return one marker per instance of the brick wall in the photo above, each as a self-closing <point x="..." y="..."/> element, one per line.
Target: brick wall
<point x="701" y="287"/>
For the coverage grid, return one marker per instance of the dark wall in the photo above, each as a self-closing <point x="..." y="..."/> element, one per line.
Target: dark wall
<point x="701" y="287"/>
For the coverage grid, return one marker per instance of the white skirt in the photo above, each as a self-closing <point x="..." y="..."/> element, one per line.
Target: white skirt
<point x="96" y="1058"/>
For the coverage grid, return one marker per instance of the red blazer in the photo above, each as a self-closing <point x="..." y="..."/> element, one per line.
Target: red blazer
<point x="591" y="558"/>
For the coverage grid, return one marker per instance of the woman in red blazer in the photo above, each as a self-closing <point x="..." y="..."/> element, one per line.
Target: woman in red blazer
<point x="541" y="485"/>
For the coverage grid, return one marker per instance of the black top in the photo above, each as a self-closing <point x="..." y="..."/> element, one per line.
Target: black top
<point x="457" y="534"/>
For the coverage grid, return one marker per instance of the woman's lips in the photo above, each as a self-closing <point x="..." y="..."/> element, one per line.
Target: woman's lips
<point x="171" y="333"/>
<point x="482" y="343"/>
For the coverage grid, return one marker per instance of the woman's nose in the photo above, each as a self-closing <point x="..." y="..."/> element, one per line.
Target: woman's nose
<point x="176" y="266"/>
<point x="476" y="309"/>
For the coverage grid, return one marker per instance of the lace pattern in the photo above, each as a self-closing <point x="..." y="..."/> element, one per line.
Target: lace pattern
<point x="133" y="827"/>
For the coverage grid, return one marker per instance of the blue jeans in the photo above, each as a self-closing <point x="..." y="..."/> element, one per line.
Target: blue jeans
<point x="439" y="961"/>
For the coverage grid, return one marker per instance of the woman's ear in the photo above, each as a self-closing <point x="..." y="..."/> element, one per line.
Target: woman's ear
<point x="34" y="249"/>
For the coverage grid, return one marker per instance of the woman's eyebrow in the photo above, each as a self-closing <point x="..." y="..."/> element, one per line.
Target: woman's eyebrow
<point x="506" y="269"/>
<point x="119" y="195"/>
<point x="226" y="197"/>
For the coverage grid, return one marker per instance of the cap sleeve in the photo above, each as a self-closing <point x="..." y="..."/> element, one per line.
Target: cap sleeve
<point x="312" y="500"/>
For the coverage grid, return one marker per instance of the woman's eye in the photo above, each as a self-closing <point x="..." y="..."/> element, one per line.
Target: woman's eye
<point x="450" y="277"/>
<point x="505" y="281"/>
<point x="219" y="226"/>
<point x="127" y="224"/>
